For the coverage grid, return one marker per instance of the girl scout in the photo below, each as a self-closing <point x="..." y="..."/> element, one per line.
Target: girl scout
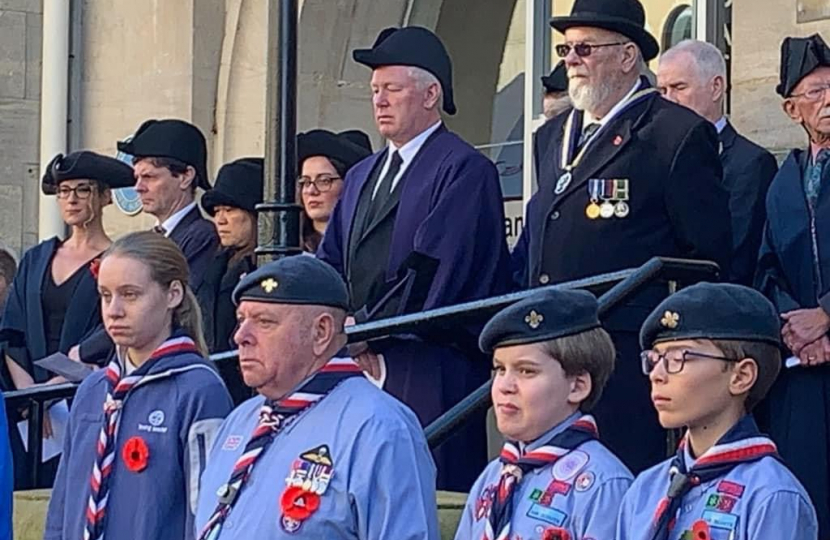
<point x="139" y="429"/>
<point x="712" y="354"/>
<point x="554" y="480"/>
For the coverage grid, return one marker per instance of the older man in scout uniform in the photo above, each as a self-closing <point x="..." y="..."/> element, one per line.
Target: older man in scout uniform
<point x="711" y="354"/>
<point x="407" y="237"/>
<point x="321" y="452"/>
<point x="625" y="176"/>
<point x="794" y="272"/>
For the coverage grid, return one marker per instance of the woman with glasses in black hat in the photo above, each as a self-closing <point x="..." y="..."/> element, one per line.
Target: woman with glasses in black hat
<point x="53" y="301"/>
<point x="324" y="158"/>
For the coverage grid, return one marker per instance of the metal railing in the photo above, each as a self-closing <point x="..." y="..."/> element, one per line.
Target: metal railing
<point x="612" y="290"/>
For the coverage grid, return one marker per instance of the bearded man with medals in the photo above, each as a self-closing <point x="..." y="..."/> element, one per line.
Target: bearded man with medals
<point x="625" y="176"/>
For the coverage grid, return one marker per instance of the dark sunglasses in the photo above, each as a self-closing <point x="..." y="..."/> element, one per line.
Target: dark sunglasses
<point x="584" y="49"/>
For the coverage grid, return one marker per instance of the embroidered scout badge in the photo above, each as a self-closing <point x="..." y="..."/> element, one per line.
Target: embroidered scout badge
<point x="485" y="503"/>
<point x="307" y="481"/>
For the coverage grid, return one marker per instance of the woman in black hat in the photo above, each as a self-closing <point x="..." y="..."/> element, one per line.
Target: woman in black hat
<point x="324" y="158"/>
<point x="53" y="301"/>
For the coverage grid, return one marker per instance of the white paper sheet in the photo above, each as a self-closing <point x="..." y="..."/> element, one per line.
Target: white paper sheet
<point x="53" y="446"/>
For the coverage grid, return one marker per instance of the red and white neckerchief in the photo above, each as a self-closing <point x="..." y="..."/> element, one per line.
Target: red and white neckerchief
<point x="516" y="464"/>
<point x="118" y="388"/>
<point x="741" y="444"/>
<point x="273" y="417"/>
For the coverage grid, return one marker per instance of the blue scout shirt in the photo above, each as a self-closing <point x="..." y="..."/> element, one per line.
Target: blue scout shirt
<point x="580" y="493"/>
<point x="759" y="500"/>
<point x="177" y="415"/>
<point x="381" y="484"/>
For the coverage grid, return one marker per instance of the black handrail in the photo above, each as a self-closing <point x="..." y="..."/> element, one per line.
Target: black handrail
<point x="679" y="270"/>
<point x="613" y="288"/>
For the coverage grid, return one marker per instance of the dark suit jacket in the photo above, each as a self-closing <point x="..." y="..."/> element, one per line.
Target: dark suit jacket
<point x="197" y="238"/>
<point x="748" y="170"/>
<point x="678" y="206"/>
<point x="218" y="311"/>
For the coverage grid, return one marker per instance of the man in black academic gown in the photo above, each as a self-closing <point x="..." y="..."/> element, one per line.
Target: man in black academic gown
<point x="626" y="176"/>
<point x="693" y="74"/>
<point x="794" y="272"/>
<point x="420" y="225"/>
<point x="170" y="163"/>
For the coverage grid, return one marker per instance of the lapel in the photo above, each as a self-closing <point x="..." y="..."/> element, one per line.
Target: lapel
<point x="727" y="138"/>
<point x="82" y="308"/>
<point x="36" y="336"/>
<point x="392" y="201"/>
<point x="180" y="230"/>
<point x="357" y="227"/>
<point x="613" y="139"/>
<point x="232" y="275"/>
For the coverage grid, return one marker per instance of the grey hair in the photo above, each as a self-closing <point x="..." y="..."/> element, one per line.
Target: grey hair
<point x="423" y="79"/>
<point x="709" y="61"/>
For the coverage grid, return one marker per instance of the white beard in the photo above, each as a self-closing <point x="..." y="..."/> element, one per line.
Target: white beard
<point x="587" y="97"/>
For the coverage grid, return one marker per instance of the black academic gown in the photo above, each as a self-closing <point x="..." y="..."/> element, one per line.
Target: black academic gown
<point x="219" y="314"/>
<point x="799" y="402"/>
<point x="748" y="170"/>
<point x="677" y="207"/>
<point x="442" y="237"/>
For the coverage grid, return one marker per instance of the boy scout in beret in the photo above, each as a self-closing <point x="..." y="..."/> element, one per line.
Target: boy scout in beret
<point x="554" y="480"/>
<point x="711" y="354"/>
<point x="320" y="452"/>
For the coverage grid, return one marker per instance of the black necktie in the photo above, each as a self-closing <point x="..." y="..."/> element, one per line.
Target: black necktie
<point x="384" y="187"/>
<point x="588" y="132"/>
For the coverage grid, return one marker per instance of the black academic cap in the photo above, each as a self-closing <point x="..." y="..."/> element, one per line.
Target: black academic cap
<point x="238" y="185"/>
<point x="799" y="57"/>
<point x="86" y="165"/>
<point x="348" y="147"/>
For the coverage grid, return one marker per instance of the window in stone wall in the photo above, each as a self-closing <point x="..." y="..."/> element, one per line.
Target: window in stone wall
<point x="812" y="10"/>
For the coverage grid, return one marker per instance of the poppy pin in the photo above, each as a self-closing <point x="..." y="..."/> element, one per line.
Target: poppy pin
<point x="700" y="530"/>
<point x="298" y="504"/>
<point x="618" y="140"/>
<point x="135" y="454"/>
<point x="94" y="267"/>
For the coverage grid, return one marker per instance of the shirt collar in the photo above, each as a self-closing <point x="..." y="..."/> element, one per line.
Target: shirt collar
<point x="171" y="222"/>
<point x="410" y="149"/>
<point x="720" y="124"/>
<point x="548" y="435"/>
<point x="590" y="119"/>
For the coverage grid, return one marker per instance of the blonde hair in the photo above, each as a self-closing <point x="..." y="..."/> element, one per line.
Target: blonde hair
<point x="167" y="264"/>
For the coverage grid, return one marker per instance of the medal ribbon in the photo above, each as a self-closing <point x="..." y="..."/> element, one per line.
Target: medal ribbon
<point x="741" y="444"/>
<point x="117" y="389"/>
<point x="572" y="136"/>
<point x="516" y="465"/>
<point x="273" y="417"/>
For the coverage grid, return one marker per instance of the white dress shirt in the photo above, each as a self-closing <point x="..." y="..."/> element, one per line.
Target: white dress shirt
<point x="407" y="153"/>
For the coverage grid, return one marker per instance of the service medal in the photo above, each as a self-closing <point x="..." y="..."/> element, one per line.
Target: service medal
<point x="592" y="211"/>
<point x="606" y="210"/>
<point x="621" y="209"/>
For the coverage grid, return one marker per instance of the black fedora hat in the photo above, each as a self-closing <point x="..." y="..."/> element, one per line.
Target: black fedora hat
<point x="347" y="147"/>
<point x="86" y="165"/>
<point x="238" y="184"/>
<point x="557" y="81"/>
<point x="412" y="46"/>
<point x="626" y="17"/>
<point x="799" y="58"/>
<point x="170" y="138"/>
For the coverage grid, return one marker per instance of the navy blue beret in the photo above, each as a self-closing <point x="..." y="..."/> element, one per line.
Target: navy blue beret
<point x="542" y="316"/>
<point x="713" y="311"/>
<point x="301" y="279"/>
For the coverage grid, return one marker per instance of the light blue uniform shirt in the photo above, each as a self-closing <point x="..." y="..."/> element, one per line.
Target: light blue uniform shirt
<point x="580" y="493"/>
<point x="381" y="484"/>
<point x="759" y="500"/>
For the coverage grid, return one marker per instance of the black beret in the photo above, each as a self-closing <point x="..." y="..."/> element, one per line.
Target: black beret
<point x="712" y="311"/>
<point x="238" y="185"/>
<point x="543" y="316"/>
<point x="86" y="165"/>
<point x="799" y="57"/>
<point x="557" y="81"/>
<point x="170" y="138"/>
<point x="412" y="46"/>
<point x="300" y="279"/>
<point x="348" y="147"/>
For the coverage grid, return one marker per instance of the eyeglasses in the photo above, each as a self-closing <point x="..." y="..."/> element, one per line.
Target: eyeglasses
<point x="584" y="49"/>
<point x="82" y="192"/>
<point x="813" y="94"/>
<point x="674" y="361"/>
<point x="322" y="182"/>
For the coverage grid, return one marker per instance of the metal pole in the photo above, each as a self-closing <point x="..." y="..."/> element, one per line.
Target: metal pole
<point x="279" y="214"/>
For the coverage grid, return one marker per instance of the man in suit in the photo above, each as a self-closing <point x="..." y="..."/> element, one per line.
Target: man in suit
<point x="169" y="162"/>
<point x="420" y="225"/>
<point x="693" y="74"/>
<point x="625" y="176"/>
